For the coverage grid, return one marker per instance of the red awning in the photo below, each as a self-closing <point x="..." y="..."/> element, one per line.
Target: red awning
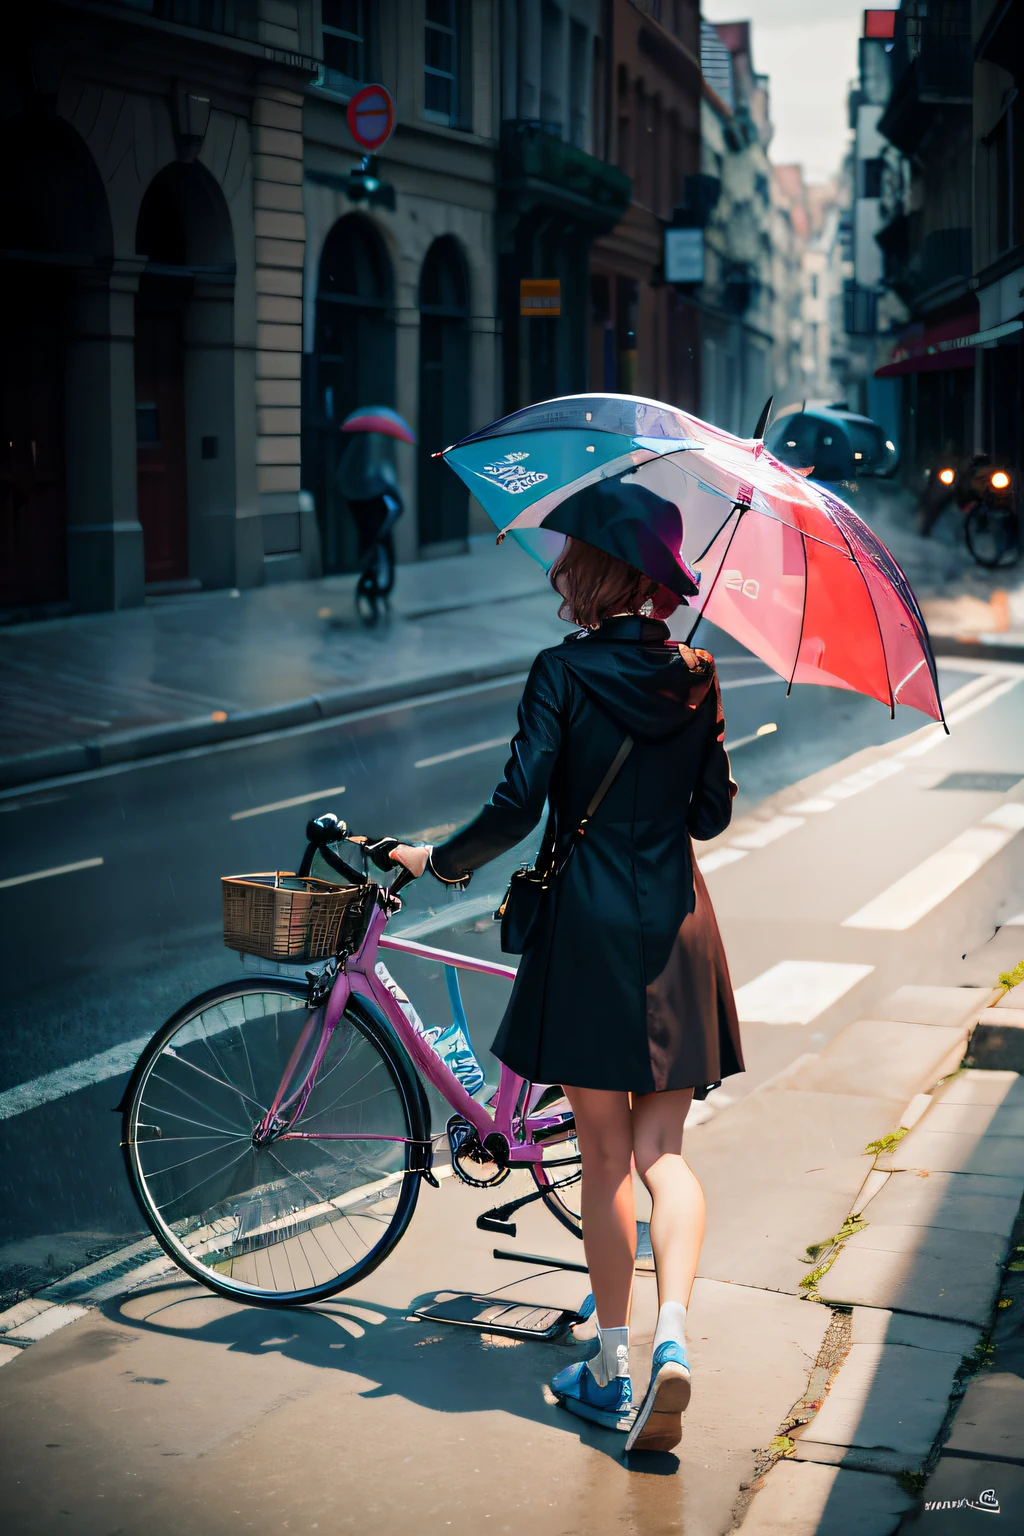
<point x="932" y="348"/>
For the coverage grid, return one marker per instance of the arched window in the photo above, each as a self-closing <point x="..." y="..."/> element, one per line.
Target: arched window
<point x="353" y="363"/>
<point x="444" y="393"/>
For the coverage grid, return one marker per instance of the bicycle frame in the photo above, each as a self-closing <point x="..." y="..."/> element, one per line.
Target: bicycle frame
<point x="522" y="1133"/>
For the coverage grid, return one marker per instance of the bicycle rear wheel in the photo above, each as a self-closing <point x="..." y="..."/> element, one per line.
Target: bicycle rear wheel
<point x="993" y="536"/>
<point x="559" y="1176"/>
<point x="289" y="1220"/>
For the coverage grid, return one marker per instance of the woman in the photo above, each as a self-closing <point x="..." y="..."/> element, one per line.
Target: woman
<point x="623" y="993"/>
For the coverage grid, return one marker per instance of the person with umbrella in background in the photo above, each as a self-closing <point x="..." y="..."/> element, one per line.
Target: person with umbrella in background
<point x="623" y="993"/>
<point x="366" y="478"/>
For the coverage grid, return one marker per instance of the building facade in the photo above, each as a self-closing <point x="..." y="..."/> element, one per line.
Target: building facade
<point x="645" y="332"/>
<point x="738" y="310"/>
<point x="151" y="255"/>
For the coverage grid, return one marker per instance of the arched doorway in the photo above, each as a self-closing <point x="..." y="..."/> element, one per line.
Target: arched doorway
<point x="183" y="393"/>
<point x="352" y="363"/>
<point x="444" y="395"/>
<point x="55" y="227"/>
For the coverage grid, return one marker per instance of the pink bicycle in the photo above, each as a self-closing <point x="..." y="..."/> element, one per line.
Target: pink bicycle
<point x="276" y="1132"/>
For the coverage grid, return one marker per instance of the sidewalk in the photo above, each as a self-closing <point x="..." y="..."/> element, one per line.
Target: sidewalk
<point x="205" y="667"/>
<point x="862" y="1207"/>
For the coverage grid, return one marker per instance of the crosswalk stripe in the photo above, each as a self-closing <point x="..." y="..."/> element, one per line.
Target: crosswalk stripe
<point x="922" y="889"/>
<point x="796" y="991"/>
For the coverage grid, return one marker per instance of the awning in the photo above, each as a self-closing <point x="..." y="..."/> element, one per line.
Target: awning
<point x="933" y="348"/>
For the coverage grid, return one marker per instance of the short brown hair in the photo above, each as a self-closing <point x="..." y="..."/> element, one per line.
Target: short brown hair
<point x="594" y="585"/>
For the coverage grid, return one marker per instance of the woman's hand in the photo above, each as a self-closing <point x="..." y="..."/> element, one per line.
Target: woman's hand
<point x="414" y="859"/>
<point x="697" y="661"/>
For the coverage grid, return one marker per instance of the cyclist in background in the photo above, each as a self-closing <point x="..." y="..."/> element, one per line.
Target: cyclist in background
<point x="623" y="993"/>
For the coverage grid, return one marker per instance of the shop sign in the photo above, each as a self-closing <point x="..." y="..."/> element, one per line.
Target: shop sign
<point x="540" y="298"/>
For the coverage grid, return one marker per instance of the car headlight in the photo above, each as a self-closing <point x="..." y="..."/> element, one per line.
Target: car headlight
<point x="891" y="446"/>
<point x="947" y="476"/>
<point x="999" y="480"/>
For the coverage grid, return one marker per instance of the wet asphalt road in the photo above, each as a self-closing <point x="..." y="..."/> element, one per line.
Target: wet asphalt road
<point x="101" y="956"/>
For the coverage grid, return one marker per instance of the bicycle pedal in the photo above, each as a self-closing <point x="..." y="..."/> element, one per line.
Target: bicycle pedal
<point x="487" y="1222"/>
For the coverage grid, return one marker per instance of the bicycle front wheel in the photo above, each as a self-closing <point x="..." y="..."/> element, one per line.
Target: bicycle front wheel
<point x="292" y="1219"/>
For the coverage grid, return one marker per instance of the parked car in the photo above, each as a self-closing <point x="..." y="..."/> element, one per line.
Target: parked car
<point x="836" y="443"/>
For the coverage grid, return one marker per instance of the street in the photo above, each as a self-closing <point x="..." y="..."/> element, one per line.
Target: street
<point x="101" y="955"/>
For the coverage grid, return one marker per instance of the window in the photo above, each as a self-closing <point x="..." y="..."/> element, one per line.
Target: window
<point x="871" y="177"/>
<point x="440" y="63"/>
<point x="344" y="29"/>
<point x="579" y="56"/>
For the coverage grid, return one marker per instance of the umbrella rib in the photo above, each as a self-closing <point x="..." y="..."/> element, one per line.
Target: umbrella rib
<point x="803" y="617"/>
<point x="878" y="622"/>
<point x="703" y="607"/>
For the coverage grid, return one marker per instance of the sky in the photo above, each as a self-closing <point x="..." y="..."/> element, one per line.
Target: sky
<point x="808" y="48"/>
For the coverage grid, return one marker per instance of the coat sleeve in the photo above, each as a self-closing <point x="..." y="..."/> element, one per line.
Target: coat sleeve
<point x="711" y="802"/>
<point x="517" y="803"/>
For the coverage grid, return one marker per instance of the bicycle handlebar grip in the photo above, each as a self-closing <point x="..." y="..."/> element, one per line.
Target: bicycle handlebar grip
<point x="326" y="829"/>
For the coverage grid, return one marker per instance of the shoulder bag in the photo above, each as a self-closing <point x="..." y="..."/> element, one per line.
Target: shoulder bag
<point x="526" y="889"/>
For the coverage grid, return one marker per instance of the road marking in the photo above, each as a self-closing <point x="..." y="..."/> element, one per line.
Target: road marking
<point x="768" y="832"/>
<point x="936" y="734"/>
<point x="750" y="682"/>
<point x="743" y="741"/>
<point x="449" y="757"/>
<point x="719" y="859"/>
<point x="82" y="1074"/>
<point x="796" y="991"/>
<point x="921" y="890"/>
<point x="286" y="805"/>
<point x="44" y="874"/>
<point x="458" y="912"/>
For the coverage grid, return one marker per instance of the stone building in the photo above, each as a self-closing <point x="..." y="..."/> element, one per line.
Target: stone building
<point x="399" y="300"/>
<point x="152" y="259"/>
<point x="737" y="305"/>
<point x="644" y="332"/>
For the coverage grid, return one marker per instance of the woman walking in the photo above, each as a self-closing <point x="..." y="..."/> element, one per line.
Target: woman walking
<point x="623" y="993"/>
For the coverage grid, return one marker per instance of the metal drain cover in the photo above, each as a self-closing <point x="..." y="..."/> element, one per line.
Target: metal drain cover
<point x="990" y="783"/>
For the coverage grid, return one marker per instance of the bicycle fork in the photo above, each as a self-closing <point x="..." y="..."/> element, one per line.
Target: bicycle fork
<point x="289" y="1101"/>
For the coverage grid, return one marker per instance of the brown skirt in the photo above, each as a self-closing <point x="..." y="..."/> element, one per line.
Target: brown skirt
<point x="693" y="1034"/>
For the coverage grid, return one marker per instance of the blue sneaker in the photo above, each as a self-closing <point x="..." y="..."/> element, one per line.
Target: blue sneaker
<point x="658" y="1425"/>
<point x="610" y="1406"/>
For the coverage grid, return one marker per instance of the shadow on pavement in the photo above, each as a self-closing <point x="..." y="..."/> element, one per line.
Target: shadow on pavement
<point x="448" y="1370"/>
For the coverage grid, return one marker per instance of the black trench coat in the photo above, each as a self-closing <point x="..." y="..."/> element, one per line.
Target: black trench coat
<point x="624" y="985"/>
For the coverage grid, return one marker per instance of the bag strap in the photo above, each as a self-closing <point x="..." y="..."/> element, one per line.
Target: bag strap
<point x="606" y="783"/>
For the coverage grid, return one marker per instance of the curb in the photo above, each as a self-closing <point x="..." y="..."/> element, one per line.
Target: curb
<point x="978" y="650"/>
<point x="154" y="740"/>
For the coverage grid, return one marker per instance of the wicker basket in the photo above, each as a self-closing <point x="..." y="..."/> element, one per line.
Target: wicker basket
<point x="291" y="917"/>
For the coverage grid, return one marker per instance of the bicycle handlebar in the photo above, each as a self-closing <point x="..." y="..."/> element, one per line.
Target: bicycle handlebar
<point x="328" y="829"/>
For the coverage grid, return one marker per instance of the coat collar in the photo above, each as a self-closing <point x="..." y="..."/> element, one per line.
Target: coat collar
<point x="632" y="627"/>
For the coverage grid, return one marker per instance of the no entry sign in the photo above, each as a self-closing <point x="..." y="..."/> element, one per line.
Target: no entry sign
<point x="371" y="117"/>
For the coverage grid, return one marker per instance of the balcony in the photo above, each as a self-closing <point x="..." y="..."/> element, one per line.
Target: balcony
<point x="916" y="268"/>
<point x="938" y="78"/>
<point x="231" y="18"/>
<point x="538" y="168"/>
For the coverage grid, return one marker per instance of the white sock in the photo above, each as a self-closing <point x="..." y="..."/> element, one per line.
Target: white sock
<point x="613" y="1359"/>
<point x="671" y="1323"/>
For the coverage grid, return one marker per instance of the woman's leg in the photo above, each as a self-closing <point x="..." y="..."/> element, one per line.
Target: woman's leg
<point x="677" y="1230"/>
<point x="605" y="1132"/>
<point x="677" y="1217"/>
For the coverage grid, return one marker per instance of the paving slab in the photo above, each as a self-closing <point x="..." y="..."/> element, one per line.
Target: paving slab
<point x="878" y="1055"/>
<point x="804" y="1499"/>
<point x="963" y="1494"/>
<point x="958" y="1152"/>
<point x="951" y="1007"/>
<point x="167" y="1400"/>
<point x="983" y="1087"/>
<point x="781" y="1170"/>
<point x="934" y="1271"/>
<point x="977" y="1119"/>
<point x="886" y="1397"/>
<point x="876" y="1325"/>
<point x="990" y="1420"/>
<point x="967" y="1202"/>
